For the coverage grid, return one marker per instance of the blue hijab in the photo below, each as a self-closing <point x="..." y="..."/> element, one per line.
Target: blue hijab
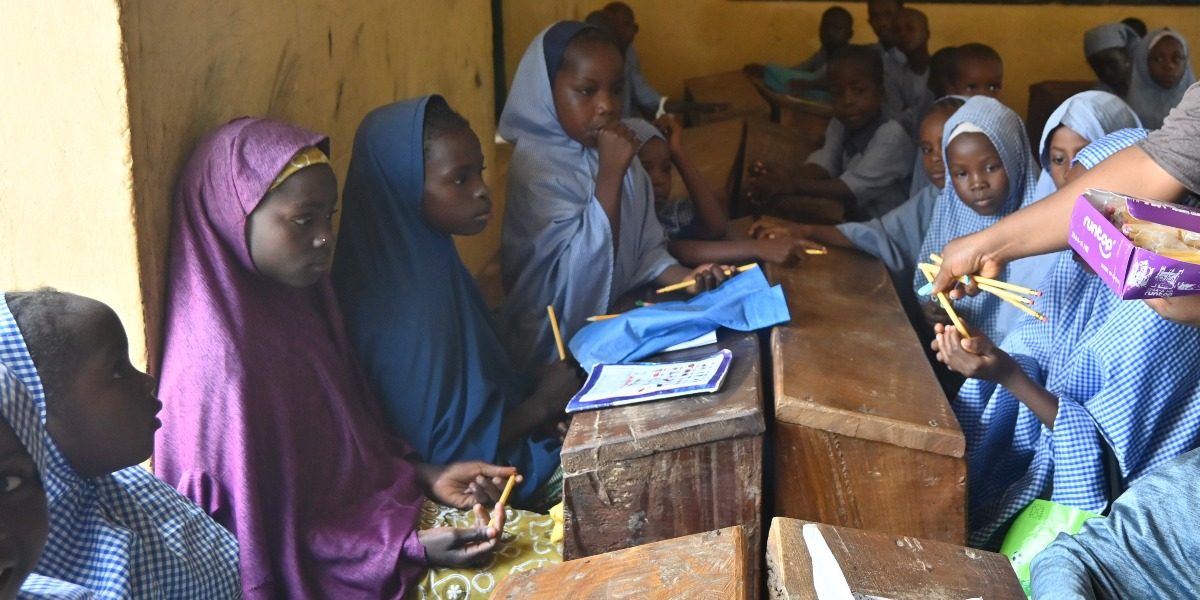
<point x="414" y="314"/>
<point x="1148" y="99"/>
<point x="557" y="247"/>
<point x="1092" y="115"/>
<point x="952" y="218"/>
<point x="122" y="535"/>
<point x="1126" y="383"/>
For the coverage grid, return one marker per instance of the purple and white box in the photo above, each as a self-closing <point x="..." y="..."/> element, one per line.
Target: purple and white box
<point x="1133" y="272"/>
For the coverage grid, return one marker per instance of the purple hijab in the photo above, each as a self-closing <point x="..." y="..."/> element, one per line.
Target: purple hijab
<point x="267" y="423"/>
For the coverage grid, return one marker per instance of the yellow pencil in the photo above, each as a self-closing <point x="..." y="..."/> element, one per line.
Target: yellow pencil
<point x="690" y="282"/>
<point x="945" y="302"/>
<point x="816" y="251"/>
<point x="594" y="318"/>
<point x="508" y="488"/>
<point x="562" y="350"/>
<point x="1005" y="294"/>
<point x="1020" y="289"/>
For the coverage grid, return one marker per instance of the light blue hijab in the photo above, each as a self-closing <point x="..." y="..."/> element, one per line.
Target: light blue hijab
<point x="952" y="218"/>
<point x="414" y="314"/>
<point x="1148" y="99"/>
<point x="557" y="247"/>
<point x="1092" y="115"/>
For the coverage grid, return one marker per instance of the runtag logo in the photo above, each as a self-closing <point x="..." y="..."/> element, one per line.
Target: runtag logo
<point x="1106" y="243"/>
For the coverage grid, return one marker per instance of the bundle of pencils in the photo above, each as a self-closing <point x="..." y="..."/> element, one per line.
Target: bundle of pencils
<point x="1016" y="295"/>
<point x="945" y="302"/>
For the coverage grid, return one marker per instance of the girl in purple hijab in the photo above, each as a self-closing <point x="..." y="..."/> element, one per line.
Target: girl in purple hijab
<point x="267" y="423"/>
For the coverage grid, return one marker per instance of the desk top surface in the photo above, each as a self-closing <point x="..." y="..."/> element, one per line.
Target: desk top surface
<point x="733" y="87"/>
<point x="849" y="362"/>
<point x="888" y="566"/>
<point x="625" y="432"/>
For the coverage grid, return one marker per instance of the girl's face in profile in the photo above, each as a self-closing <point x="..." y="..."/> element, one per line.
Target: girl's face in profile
<point x="456" y="200"/>
<point x="23" y="518"/>
<point x="290" y="232"/>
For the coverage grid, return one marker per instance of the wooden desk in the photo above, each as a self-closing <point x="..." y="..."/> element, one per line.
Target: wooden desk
<point x="659" y="470"/>
<point x="714" y="564"/>
<point x="864" y="435"/>
<point x="783" y="147"/>
<point x="733" y="87"/>
<point x="714" y="149"/>
<point x="887" y="566"/>
<point x="809" y="117"/>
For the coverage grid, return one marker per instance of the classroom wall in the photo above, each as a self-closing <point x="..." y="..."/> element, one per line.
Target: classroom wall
<point x="195" y="64"/>
<point x="65" y="197"/>
<point x="679" y="40"/>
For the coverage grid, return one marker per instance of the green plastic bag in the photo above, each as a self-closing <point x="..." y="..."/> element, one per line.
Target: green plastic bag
<point x="1034" y="529"/>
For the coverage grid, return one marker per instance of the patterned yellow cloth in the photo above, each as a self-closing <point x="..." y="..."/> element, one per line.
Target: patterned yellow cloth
<point x="306" y="157"/>
<point x="525" y="546"/>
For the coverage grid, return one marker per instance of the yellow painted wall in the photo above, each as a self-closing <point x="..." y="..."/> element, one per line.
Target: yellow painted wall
<point x="65" y="199"/>
<point x="195" y="64"/>
<point x="679" y="40"/>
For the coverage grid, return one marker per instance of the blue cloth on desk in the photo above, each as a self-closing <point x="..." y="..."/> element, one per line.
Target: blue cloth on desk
<point x="745" y="303"/>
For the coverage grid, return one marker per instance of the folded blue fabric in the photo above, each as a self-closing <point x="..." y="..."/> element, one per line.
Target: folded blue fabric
<point x="745" y="303"/>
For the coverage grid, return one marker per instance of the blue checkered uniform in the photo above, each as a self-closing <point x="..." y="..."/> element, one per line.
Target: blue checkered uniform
<point x="952" y="218"/>
<point x="1095" y="152"/>
<point x="124" y="535"/>
<point x="1125" y="379"/>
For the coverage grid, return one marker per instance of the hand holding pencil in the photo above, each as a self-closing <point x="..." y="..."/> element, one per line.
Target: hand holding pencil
<point x="706" y="277"/>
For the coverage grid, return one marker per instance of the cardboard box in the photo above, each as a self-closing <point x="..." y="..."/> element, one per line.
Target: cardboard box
<point x="1130" y="271"/>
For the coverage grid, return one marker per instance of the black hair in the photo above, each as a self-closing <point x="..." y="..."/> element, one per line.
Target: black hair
<point x="439" y="119"/>
<point x="619" y="8"/>
<point x="600" y="18"/>
<point x="862" y="55"/>
<point x="1136" y="24"/>
<point x="839" y="11"/>
<point x="39" y="315"/>
<point x="940" y="65"/>
<point x="972" y="51"/>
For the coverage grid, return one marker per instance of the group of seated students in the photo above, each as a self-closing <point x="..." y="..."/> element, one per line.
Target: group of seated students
<point x="341" y="425"/>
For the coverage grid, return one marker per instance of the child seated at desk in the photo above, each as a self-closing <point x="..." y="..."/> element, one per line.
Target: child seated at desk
<point x="1161" y="74"/>
<point x="696" y="224"/>
<point x="907" y="85"/>
<point x="268" y="422"/>
<point x="89" y="419"/>
<point x="866" y="159"/>
<point x="991" y="174"/>
<point x="977" y="69"/>
<point x="415" y="180"/>
<point x="894" y="238"/>
<point x="1107" y="49"/>
<point x="580" y="228"/>
<point x="836" y="29"/>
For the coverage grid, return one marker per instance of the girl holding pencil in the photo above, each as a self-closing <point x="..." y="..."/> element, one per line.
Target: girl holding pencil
<point x="1074" y="410"/>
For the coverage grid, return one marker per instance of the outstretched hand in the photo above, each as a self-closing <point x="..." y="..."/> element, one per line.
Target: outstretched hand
<point x="964" y="256"/>
<point x="977" y="357"/>
<point x="465" y="546"/>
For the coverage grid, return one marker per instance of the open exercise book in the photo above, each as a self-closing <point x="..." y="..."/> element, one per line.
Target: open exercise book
<point x="616" y="385"/>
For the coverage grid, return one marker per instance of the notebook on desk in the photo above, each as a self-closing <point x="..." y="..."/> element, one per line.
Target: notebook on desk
<point x="620" y="384"/>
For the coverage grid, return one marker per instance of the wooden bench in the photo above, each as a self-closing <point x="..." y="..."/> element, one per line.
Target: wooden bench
<point x="880" y="565"/>
<point x="659" y="470"/>
<point x="714" y="564"/>
<point x="782" y="147"/>
<point x="732" y="87"/>
<point x="864" y="435"/>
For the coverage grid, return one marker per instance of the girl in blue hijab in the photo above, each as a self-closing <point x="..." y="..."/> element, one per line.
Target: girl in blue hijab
<point x="1089" y="402"/>
<point x="414" y="313"/>
<point x="989" y="175"/>
<point x="579" y="227"/>
<point x="1162" y="72"/>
